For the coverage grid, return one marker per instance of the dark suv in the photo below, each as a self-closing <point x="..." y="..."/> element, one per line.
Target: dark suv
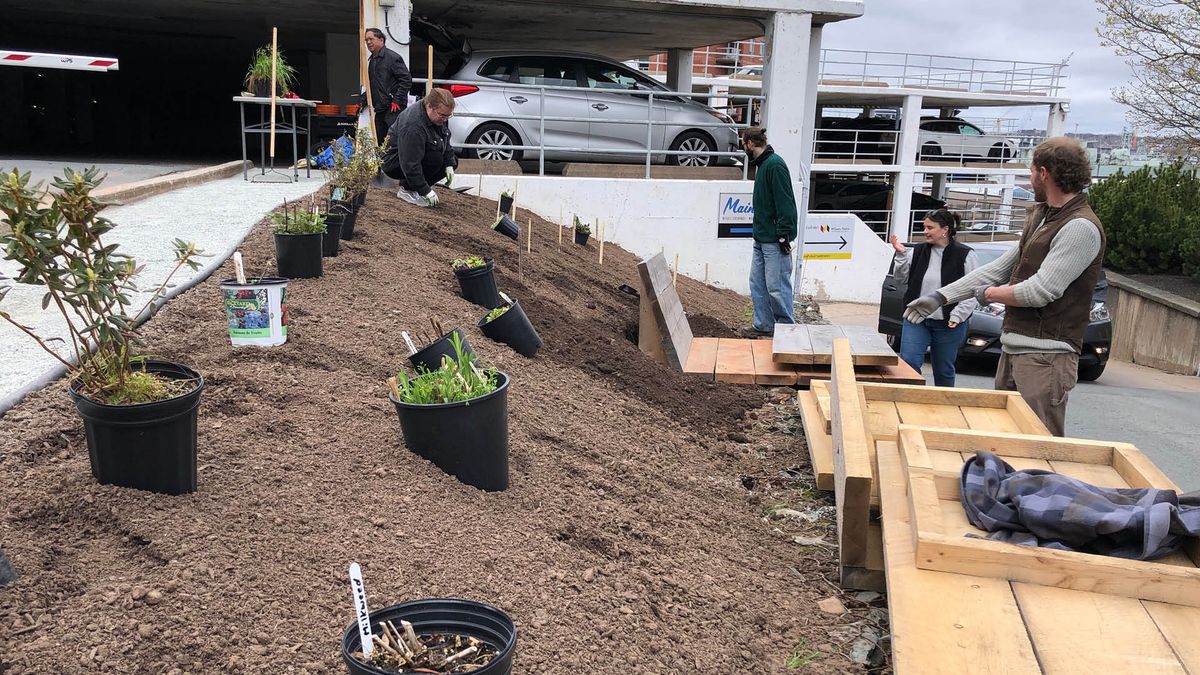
<point x="983" y="334"/>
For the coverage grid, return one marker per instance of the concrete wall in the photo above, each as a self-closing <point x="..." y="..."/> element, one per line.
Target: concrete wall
<point x="680" y="217"/>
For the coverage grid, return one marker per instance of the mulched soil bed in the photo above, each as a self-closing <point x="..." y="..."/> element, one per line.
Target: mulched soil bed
<point x="1172" y="283"/>
<point x="641" y="533"/>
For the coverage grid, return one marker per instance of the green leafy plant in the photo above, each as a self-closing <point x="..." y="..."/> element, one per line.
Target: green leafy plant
<point x="294" y="221"/>
<point x="801" y="656"/>
<point x="260" y="72"/>
<point x="364" y="165"/>
<point x="56" y="237"/>
<point x="458" y="379"/>
<point x="507" y="194"/>
<point x="468" y="263"/>
<point x="582" y="227"/>
<point x="1151" y="219"/>
<point x="495" y="313"/>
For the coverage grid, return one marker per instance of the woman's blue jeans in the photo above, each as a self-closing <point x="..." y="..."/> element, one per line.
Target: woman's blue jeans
<point x="943" y="341"/>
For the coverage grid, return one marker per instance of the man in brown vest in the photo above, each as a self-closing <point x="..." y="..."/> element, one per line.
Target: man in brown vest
<point x="1048" y="284"/>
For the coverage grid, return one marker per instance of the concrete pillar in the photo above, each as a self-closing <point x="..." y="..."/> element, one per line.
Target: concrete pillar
<point x="1057" y="121"/>
<point x="789" y="100"/>
<point x="804" y="163"/>
<point x="679" y="70"/>
<point x="902" y="187"/>
<point x="1006" y="199"/>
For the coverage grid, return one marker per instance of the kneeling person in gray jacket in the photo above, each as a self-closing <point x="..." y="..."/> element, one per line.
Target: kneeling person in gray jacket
<point x="418" y="151"/>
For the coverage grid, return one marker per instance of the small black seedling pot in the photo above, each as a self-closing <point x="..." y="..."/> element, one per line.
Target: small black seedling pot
<point x="442" y="615"/>
<point x="332" y="238"/>
<point x="506" y="202"/>
<point x="430" y="358"/>
<point x="149" y="446"/>
<point x="298" y="256"/>
<point x="513" y="329"/>
<point x="478" y="285"/>
<point x="507" y="227"/>
<point x="581" y="238"/>
<point x="466" y="439"/>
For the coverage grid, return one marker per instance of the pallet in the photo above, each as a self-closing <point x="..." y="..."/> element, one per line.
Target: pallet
<point x="808" y="344"/>
<point x="950" y="623"/>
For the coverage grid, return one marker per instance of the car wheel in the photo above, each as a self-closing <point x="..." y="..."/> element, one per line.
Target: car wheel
<point x="494" y="133"/>
<point x="1092" y="372"/>
<point x="999" y="152"/>
<point x="693" y="141"/>
<point x="929" y="151"/>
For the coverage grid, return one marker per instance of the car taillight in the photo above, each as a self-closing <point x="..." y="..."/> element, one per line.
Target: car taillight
<point x="457" y="90"/>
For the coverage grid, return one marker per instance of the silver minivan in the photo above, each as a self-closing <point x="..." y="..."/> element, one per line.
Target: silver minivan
<point x="592" y="101"/>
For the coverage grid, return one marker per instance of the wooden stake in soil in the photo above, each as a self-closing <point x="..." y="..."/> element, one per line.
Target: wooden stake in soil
<point x="560" y="226"/>
<point x="600" y="231"/>
<point x="529" y="237"/>
<point x="238" y="268"/>
<point x="705" y="274"/>
<point x="675" y="270"/>
<point x="395" y="387"/>
<point x="274" y="67"/>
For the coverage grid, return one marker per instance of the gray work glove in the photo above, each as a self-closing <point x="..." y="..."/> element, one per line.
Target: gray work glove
<point x="918" y="310"/>
<point x="980" y="296"/>
<point x="431" y="199"/>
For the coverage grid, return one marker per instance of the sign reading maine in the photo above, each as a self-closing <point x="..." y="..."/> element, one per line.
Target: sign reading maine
<point x="735" y="214"/>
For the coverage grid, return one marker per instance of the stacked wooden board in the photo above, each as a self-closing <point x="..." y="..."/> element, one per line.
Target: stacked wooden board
<point x="981" y="606"/>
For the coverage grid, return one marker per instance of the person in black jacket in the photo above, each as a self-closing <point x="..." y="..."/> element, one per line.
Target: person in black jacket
<point x="418" y="151"/>
<point x="925" y="268"/>
<point x="390" y="81"/>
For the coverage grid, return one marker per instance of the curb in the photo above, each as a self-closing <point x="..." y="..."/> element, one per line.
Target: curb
<point x="131" y="192"/>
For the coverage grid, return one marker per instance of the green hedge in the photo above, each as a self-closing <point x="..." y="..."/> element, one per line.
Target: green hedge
<point x="1151" y="219"/>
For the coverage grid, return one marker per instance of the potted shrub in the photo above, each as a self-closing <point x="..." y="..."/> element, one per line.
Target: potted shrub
<point x="457" y="418"/>
<point x="477" y="279"/>
<point x="507" y="227"/>
<point x="363" y="166"/>
<point x="258" y="76"/>
<point x="510" y="325"/>
<point x="435" y="635"/>
<point x="298" y="242"/>
<point x="331" y="239"/>
<point x="582" y="232"/>
<point x="506" y="202"/>
<point x="139" y="413"/>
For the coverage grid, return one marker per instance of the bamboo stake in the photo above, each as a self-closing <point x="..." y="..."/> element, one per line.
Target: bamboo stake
<point x="274" y="67"/>
<point x="395" y="387"/>
<point x="529" y="237"/>
<point x="675" y="270"/>
<point x="429" y="83"/>
<point x="705" y="274"/>
<point x="363" y="78"/>
<point x="601" y="230"/>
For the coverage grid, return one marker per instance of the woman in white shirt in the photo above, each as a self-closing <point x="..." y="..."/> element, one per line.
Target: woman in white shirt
<point x="925" y="268"/>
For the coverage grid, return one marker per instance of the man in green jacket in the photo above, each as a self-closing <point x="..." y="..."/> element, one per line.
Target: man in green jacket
<point x="774" y="231"/>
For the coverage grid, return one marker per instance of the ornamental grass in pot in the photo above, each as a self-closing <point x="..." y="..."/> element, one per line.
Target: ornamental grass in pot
<point x="258" y="76"/>
<point x="477" y="280"/>
<point x="139" y="413"/>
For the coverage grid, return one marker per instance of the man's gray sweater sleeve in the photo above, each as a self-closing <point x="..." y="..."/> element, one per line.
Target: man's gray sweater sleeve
<point x="1074" y="248"/>
<point x="995" y="273"/>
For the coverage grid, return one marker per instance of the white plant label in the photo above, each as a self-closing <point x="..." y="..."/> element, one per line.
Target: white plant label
<point x="412" y="349"/>
<point x="360" y="609"/>
<point x="505" y="297"/>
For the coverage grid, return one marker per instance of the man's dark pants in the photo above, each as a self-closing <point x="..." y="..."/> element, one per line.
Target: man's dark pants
<point x="383" y="122"/>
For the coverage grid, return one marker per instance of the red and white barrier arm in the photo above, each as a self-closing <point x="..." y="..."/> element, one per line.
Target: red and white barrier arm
<point x="61" y="61"/>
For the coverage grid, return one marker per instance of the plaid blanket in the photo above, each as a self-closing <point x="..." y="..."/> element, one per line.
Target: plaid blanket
<point x="1043" y="508"/>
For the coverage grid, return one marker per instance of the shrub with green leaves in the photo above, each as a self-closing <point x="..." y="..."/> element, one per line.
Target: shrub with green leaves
<point x="468" y="263"/>
<point x="57" y="239"/>
<point x="293" y="221"/>
<point x="582" y="227"/>
<point x="1151" y="219"/>
<point x="495" y="313"/>
<point x="458" y="379"/>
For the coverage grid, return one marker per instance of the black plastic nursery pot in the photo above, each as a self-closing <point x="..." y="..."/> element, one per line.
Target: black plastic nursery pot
<point x="333" y="234"/>
<point x="506" y="203"/>
<point x="430" y="358"/>
<point x="150" y="446"/>
<point x="350" y="214"/>
<point x="298" y="256"/>
<point x="581" y="238"/>
<point x="466" y="439"/>
<point x="513" y="329"/>
<point x="359" y="199"/>
<point x="507" y="227"/>
<point x="478" y="285"/>
<point x="442" y="615"/>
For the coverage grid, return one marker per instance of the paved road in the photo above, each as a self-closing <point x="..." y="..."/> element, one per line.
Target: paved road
<point x="1157" y="412"/>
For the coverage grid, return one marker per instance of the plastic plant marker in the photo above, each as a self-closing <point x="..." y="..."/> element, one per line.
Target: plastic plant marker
<point x="412" y="349"/>
<point x="237" y="264"/>
<point x="360" y="609"/>
<point x="504" y="296"/>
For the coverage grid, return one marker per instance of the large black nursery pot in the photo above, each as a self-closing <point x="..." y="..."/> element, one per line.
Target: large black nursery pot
<point x="332" y="238"/>
<point x="478" y="285"/>
<point x="298" y="256"/>
<point x="513" y="329"/>
<point x="581" y="238"/>
<point x="360" y="199"/>
<point x="466" y="439"/>
<point x="149" y="446"/>
<point x="507" y="227"/>
<point x="506" y="203"/>
<point x="430" y="358"/>
<point x="441" y="615"/>
<point x="350" y="214"/>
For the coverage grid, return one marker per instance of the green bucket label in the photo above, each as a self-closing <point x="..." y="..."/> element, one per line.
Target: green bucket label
<point x="249" y="312"/>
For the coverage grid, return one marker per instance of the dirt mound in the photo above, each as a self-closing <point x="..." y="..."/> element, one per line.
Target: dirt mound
<point x="632" y="538"/>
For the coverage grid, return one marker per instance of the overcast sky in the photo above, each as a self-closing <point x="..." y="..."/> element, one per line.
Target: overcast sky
<point x="1023" y="30"/>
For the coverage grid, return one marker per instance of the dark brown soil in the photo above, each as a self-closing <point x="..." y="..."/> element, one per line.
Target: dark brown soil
<point x="1178" y="284"/>
<point x="639" y="534"/>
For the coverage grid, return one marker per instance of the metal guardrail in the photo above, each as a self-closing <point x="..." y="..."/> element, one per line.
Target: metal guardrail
<point x="931" y="71"/>
<point x="879" y="145"/>
<point x="647" y="149"/>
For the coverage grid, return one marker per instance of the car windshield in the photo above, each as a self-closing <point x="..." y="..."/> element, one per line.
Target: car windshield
<point x="987" y="255"/>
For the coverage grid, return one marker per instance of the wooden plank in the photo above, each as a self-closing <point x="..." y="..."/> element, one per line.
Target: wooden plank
<point x="989" y="419"/>
<point x="900" y="373"/>
<point x="871" y="577"/>
<point x="852" y="448"/>
<point x="820" y="444"/>
<point x="931" y="415"/>
<point x="945" y="395"/>
<point x="869" y="347"/>
<point x="1021" y="445"/>
<point x="702" y="359"/>
<point x="766" y="370"/>
<point x="883" y="418"/>
<point x="821" y="338"/>
<point x="791" y="344"/>
<point x="1020" y="463"/>
<point x="735" y="361"/>
<point x="943" y="624"/>
<point x="1094" y="474"/>
<point x="821" y="389"/>
<point x="1179" y="625"/>
<point x="1024" y="416"/>
<point x="1078" y="632"/>
<point x="650" y="339"/>
<point x="1139" y="471"/>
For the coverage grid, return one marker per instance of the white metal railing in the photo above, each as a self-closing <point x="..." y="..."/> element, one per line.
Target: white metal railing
<point x="930" y="71"/>
<point x="834" y="144"/>
<point x="724" y="60"/>
<point x="648" y="150"/>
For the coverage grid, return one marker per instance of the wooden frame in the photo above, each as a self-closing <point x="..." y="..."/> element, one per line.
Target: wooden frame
<point x="808" y="344"/>
<point x="939" y="523"/>
<point x="853" y="458"/>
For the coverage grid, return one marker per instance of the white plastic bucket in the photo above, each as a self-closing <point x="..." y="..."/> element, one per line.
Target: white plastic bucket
<point x="256" y="311"/>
